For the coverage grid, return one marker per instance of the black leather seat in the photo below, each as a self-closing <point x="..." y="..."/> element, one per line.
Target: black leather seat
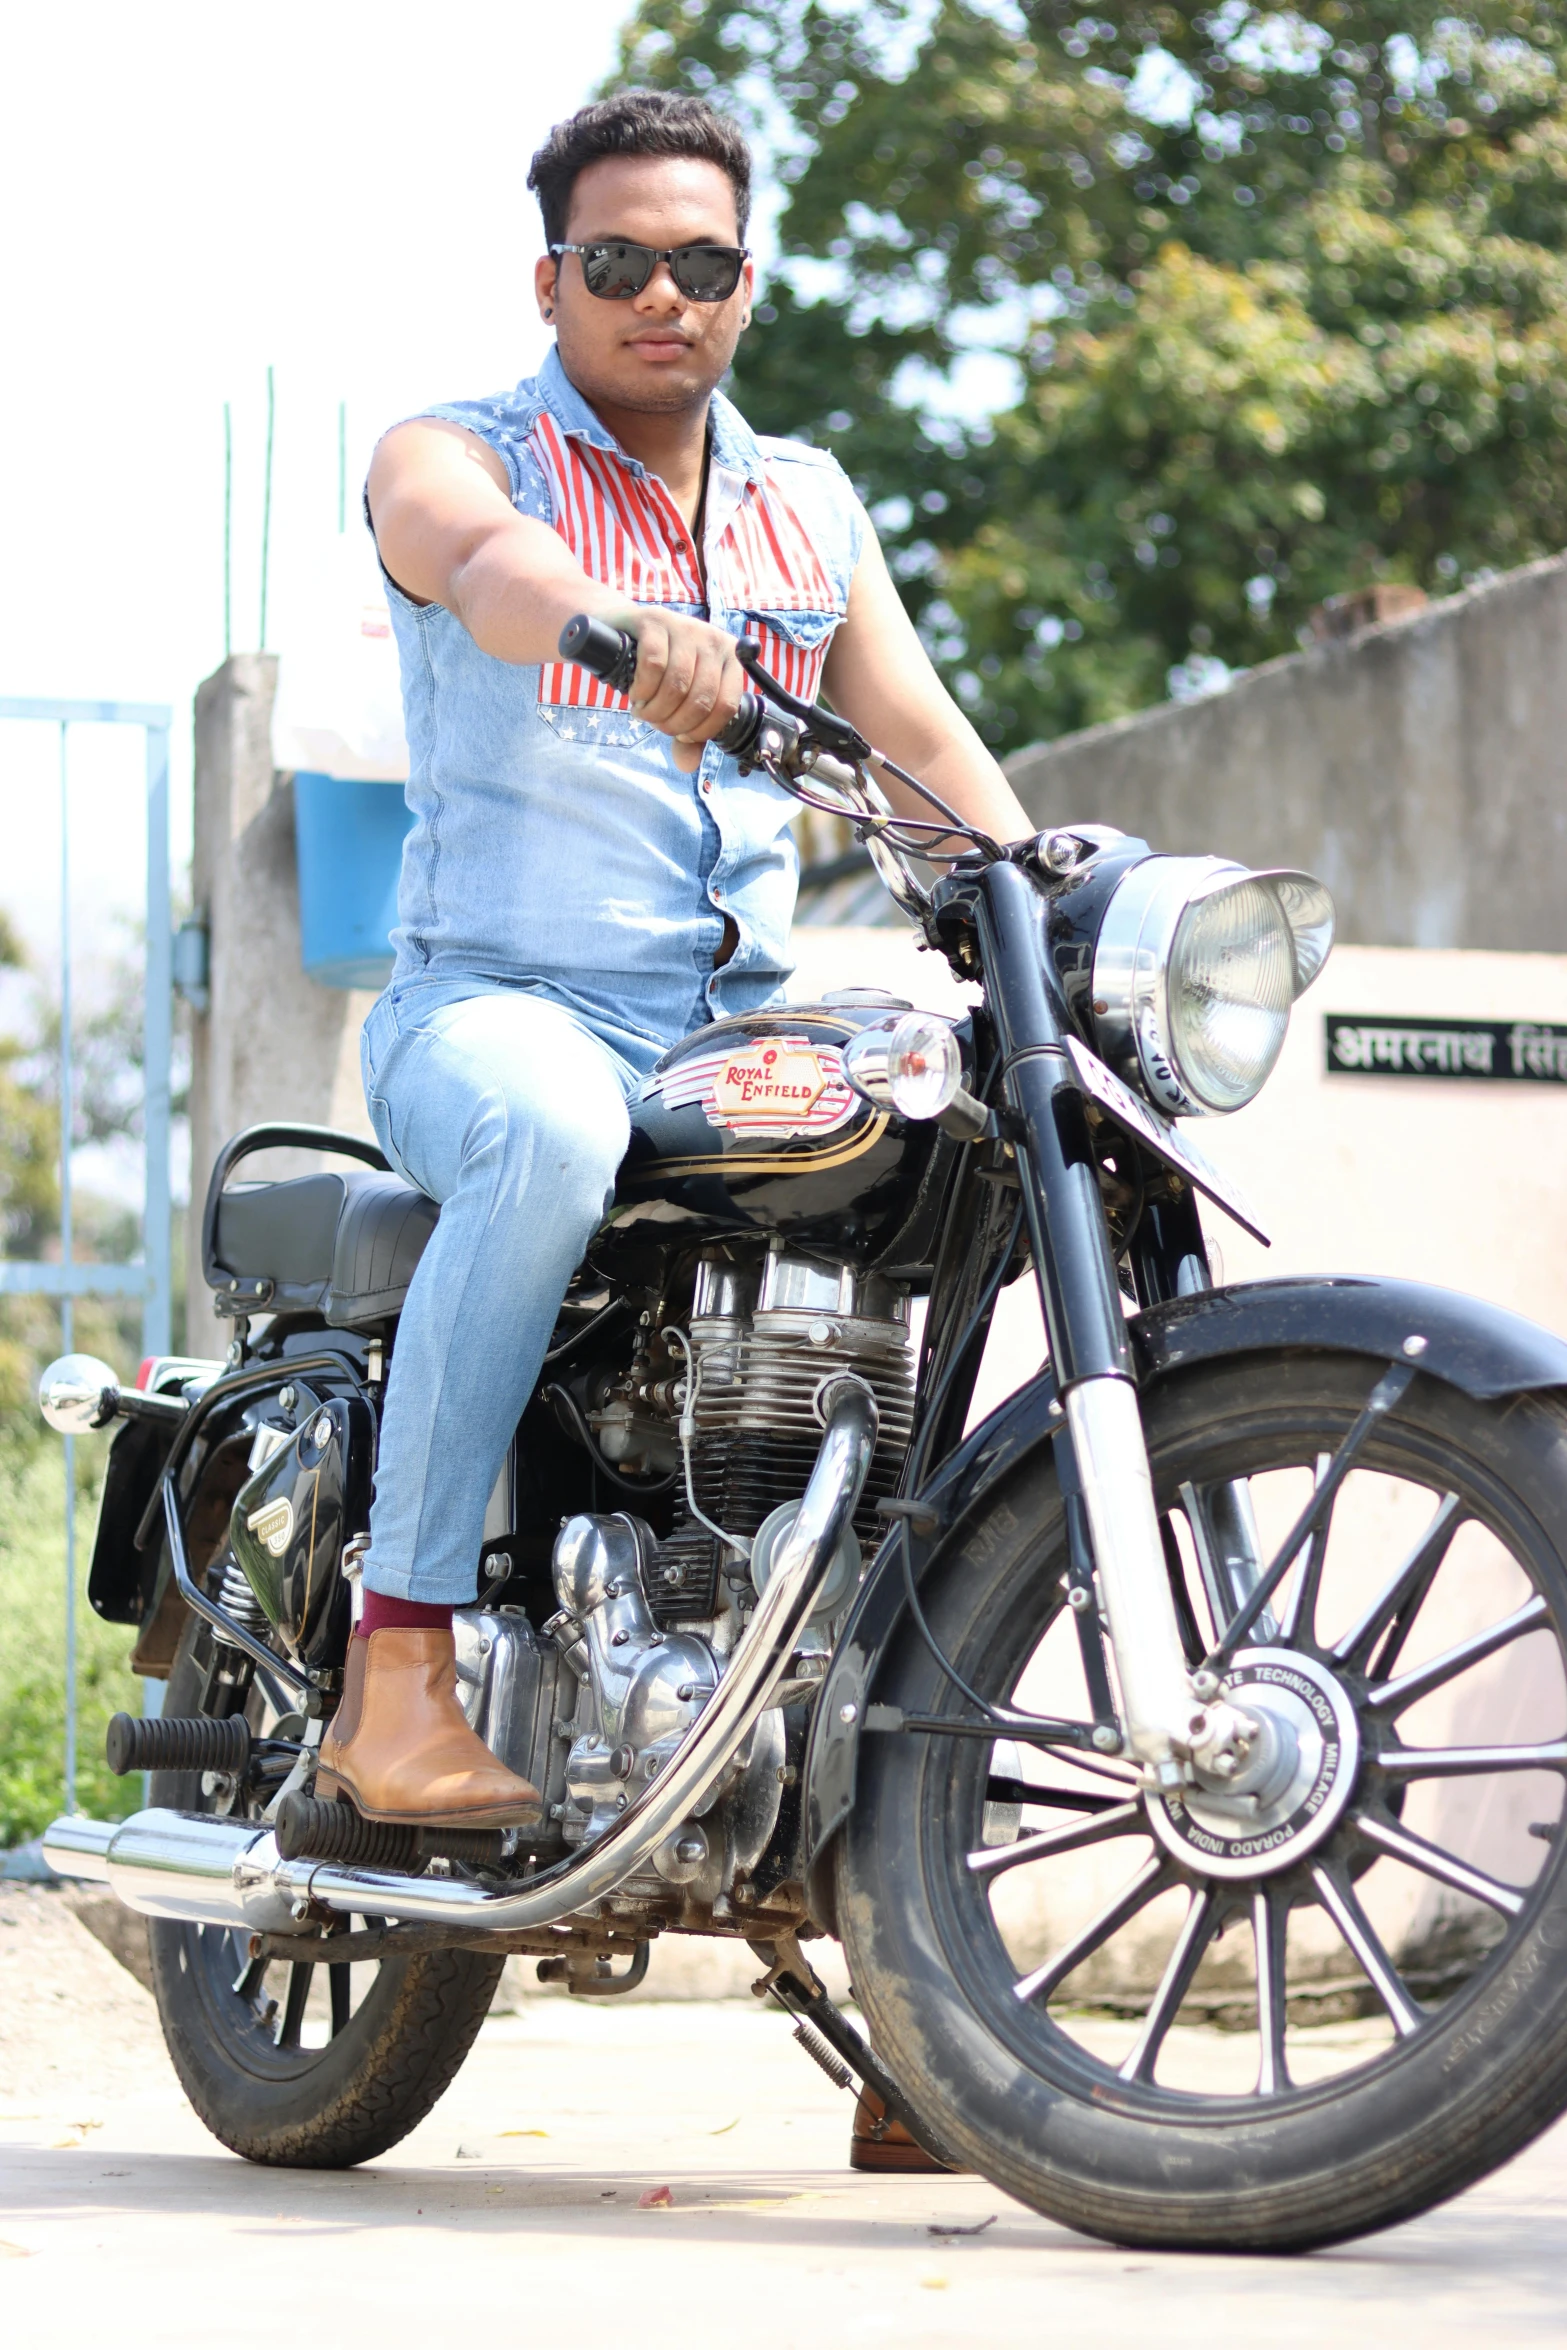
<point x="340" y="1245"/>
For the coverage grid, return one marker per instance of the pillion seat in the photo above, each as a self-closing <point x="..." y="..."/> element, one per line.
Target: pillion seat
<point x="342" y="1245"/>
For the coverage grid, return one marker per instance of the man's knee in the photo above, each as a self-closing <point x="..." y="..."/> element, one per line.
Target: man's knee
<point x="550" y="1143"/>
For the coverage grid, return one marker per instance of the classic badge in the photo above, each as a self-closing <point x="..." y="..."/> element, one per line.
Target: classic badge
<point x="774" y="1085"/>
<point x="273" y="1525"/>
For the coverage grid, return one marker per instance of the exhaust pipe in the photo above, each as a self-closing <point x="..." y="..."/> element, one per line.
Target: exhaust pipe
<point x="170" y="1865"/>
<point x="230" y="1872"/>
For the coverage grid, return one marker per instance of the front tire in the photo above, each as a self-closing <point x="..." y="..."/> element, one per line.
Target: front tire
<point x="280" y="2069"/>
<point x="1107" y="2126"/>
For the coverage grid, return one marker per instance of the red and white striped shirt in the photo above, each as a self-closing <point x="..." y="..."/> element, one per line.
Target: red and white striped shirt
<point x="625" y="529"/>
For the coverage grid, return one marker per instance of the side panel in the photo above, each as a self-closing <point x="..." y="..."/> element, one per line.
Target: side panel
<point x="1474" y="1346"/>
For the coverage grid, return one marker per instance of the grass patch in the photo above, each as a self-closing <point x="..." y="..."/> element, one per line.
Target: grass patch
<point x="32" y="1643"/>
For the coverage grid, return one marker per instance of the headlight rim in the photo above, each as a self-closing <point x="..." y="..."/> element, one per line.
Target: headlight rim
<point x="1133" y="954"/>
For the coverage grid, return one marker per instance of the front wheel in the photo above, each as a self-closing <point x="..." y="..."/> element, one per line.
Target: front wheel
<point x="316" y="2066"/>
<point x="1383" y="1944"/>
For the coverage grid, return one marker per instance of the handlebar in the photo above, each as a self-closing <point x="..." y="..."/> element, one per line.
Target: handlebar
<point x="610" y="654"/>
<point x="808" y="750"/>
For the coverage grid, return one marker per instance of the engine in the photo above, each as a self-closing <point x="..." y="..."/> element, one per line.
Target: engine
<point x="764" y="1336"/>
<point x="593" y="1706"/>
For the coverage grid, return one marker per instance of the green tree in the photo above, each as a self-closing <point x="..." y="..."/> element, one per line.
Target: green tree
<point x="1274" y="301"/>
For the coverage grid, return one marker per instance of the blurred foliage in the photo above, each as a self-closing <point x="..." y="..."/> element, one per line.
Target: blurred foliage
<point x="1271" y="304"/>
<point x="32" y="1643"/>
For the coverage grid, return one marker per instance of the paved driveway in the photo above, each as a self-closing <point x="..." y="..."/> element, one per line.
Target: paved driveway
<point x="513" y="2215"/>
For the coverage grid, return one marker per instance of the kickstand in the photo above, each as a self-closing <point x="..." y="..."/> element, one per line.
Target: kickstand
<point x="791" y="1981"/>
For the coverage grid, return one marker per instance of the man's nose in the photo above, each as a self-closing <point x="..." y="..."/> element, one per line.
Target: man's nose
<point x="661" y="291"/>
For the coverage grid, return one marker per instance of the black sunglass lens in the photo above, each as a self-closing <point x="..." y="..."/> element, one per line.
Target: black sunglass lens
<point x="616" y="272"/>
<point x="707" y="273"/>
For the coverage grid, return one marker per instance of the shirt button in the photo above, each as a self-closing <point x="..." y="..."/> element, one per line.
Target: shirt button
<point x="707" y="783"/>
<point x="718" y="897"/>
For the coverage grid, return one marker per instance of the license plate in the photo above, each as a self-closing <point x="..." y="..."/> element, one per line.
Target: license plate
<point x="1130" y="1111"/>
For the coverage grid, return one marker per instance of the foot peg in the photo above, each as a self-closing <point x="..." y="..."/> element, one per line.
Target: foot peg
<point x="308" y="1829"/>
<point x="176" y="1744"/>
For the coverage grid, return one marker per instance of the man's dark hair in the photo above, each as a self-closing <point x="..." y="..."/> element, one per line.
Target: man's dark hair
<point x="636" y="122"/>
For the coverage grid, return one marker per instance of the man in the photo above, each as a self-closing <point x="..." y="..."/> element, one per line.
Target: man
<point x="587" y="879"/>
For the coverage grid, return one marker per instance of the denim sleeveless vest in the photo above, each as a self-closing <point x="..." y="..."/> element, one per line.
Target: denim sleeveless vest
<point x="556" y="845"/>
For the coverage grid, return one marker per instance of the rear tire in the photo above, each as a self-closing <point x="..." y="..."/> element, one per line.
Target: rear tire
<point x="258" y="2089"/>
<point x="1478" y="2065"/>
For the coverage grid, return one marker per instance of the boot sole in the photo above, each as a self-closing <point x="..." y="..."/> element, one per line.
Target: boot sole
<point x="333" y="1789"/>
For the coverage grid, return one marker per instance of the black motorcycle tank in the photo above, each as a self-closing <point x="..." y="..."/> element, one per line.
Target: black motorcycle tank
<point x="751" y="1125"/>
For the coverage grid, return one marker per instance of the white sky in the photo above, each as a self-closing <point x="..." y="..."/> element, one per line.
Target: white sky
<point x="191" y="192"/>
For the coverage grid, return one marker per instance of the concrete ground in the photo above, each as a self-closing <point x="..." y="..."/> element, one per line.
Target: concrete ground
<point x="516" y="2211"/>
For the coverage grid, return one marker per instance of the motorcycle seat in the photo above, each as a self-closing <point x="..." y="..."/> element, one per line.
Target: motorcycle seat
<point x="340" y="1244"/>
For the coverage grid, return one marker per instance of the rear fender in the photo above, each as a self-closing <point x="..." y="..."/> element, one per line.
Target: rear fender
<point x="1480" y="1348"/>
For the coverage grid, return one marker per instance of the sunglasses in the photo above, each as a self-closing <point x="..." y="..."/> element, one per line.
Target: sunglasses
<point x="616" y="272"/>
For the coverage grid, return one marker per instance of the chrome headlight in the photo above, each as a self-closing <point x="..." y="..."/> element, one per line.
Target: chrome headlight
<point x="1196" y="966"/>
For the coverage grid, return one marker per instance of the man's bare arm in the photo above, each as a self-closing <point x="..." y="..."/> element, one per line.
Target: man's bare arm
<point x="449" y="534"/>
<point x="882" y="679"/>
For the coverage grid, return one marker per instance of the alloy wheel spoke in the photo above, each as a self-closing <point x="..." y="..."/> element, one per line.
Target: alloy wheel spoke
<point x="1202" y="1920"/>
<point x="1401" y="1843"/>
<point x="1297" y="1624"/>
<point x="1405" y="1594"/>
<point x="1124" y="1820"/>
<point x="1339" y="1900"/>
<point x="1150" y="1880"/>
<point x="294" y="2005"/>
<point x="341" y="1989"/>
<point x="248" y="1981"/>
<point x="1269" y="1927"/>
<point x="1391" y="1697"/>
<point x="1467" y="1762"/>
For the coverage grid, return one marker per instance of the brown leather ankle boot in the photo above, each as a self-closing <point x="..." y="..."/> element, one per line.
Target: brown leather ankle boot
<point x="399" y="1746"/>
<point x="877" y="2142"/>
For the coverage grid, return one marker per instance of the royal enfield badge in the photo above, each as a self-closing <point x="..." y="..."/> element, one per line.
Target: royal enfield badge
<point x="776" y="1085"/>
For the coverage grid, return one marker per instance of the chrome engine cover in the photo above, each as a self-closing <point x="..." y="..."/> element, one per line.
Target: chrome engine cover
<point x="642" y="1689"/>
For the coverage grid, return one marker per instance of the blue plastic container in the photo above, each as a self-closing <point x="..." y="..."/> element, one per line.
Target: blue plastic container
<point x="350" y="842"/>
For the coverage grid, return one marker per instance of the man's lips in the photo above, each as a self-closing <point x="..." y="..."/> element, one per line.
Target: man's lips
<point x="667" y="345"/>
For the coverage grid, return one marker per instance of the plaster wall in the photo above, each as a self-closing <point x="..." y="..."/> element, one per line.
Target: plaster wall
<point x="1420" y="768"/>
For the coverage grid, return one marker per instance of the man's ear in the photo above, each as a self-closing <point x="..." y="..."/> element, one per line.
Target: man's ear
<point x="546" y="276"/>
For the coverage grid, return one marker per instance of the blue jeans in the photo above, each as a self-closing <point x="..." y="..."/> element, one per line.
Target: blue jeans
<point x="512" y="1112"/>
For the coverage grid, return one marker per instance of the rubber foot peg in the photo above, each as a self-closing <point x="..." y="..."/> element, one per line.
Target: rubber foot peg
<point x="309" y="1829"/>
<point x="133" y="1742"/>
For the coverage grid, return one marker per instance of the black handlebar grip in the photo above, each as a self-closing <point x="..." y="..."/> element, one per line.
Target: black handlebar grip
<point x="608" y="652"/>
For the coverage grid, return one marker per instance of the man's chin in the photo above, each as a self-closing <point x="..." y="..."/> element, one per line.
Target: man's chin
<point x="642" y="390"/>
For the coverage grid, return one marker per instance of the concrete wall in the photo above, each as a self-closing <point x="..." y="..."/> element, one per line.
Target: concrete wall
<point x="272" y="1044"/>
<point x="1419" y="768"/>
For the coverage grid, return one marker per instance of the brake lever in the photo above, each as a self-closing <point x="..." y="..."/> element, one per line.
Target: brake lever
<point x="827" y="729"/>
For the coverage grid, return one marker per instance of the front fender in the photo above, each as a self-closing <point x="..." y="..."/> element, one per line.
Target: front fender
<point x="1475" y="1346"/>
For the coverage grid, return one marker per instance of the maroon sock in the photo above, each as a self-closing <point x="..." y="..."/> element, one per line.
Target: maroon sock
<point x="400" y="1615"/>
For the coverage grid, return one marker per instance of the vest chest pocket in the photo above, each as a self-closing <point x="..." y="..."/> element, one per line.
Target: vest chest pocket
<point x="794" y="646"/>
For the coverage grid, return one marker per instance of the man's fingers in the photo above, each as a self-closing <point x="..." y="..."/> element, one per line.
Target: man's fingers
<point x="688" y="682"/>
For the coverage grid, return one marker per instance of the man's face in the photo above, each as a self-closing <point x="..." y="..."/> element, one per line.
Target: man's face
<point x="659" y="352"/>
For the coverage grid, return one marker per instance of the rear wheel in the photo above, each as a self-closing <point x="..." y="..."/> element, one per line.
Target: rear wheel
<point x="1386" y="1944"/>
<point x="320" y="2066"/>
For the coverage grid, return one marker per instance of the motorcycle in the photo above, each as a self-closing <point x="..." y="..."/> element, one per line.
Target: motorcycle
<point x="1108" y="1715"/>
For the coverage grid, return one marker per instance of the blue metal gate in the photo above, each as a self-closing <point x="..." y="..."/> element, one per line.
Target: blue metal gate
<point x="151" y="1279"/>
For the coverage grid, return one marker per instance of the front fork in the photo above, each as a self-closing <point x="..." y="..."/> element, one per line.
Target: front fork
<point x="1177" y="1729"/>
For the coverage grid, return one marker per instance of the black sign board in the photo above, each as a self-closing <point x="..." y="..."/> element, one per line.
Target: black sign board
<point x="1371" y="1044"/>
